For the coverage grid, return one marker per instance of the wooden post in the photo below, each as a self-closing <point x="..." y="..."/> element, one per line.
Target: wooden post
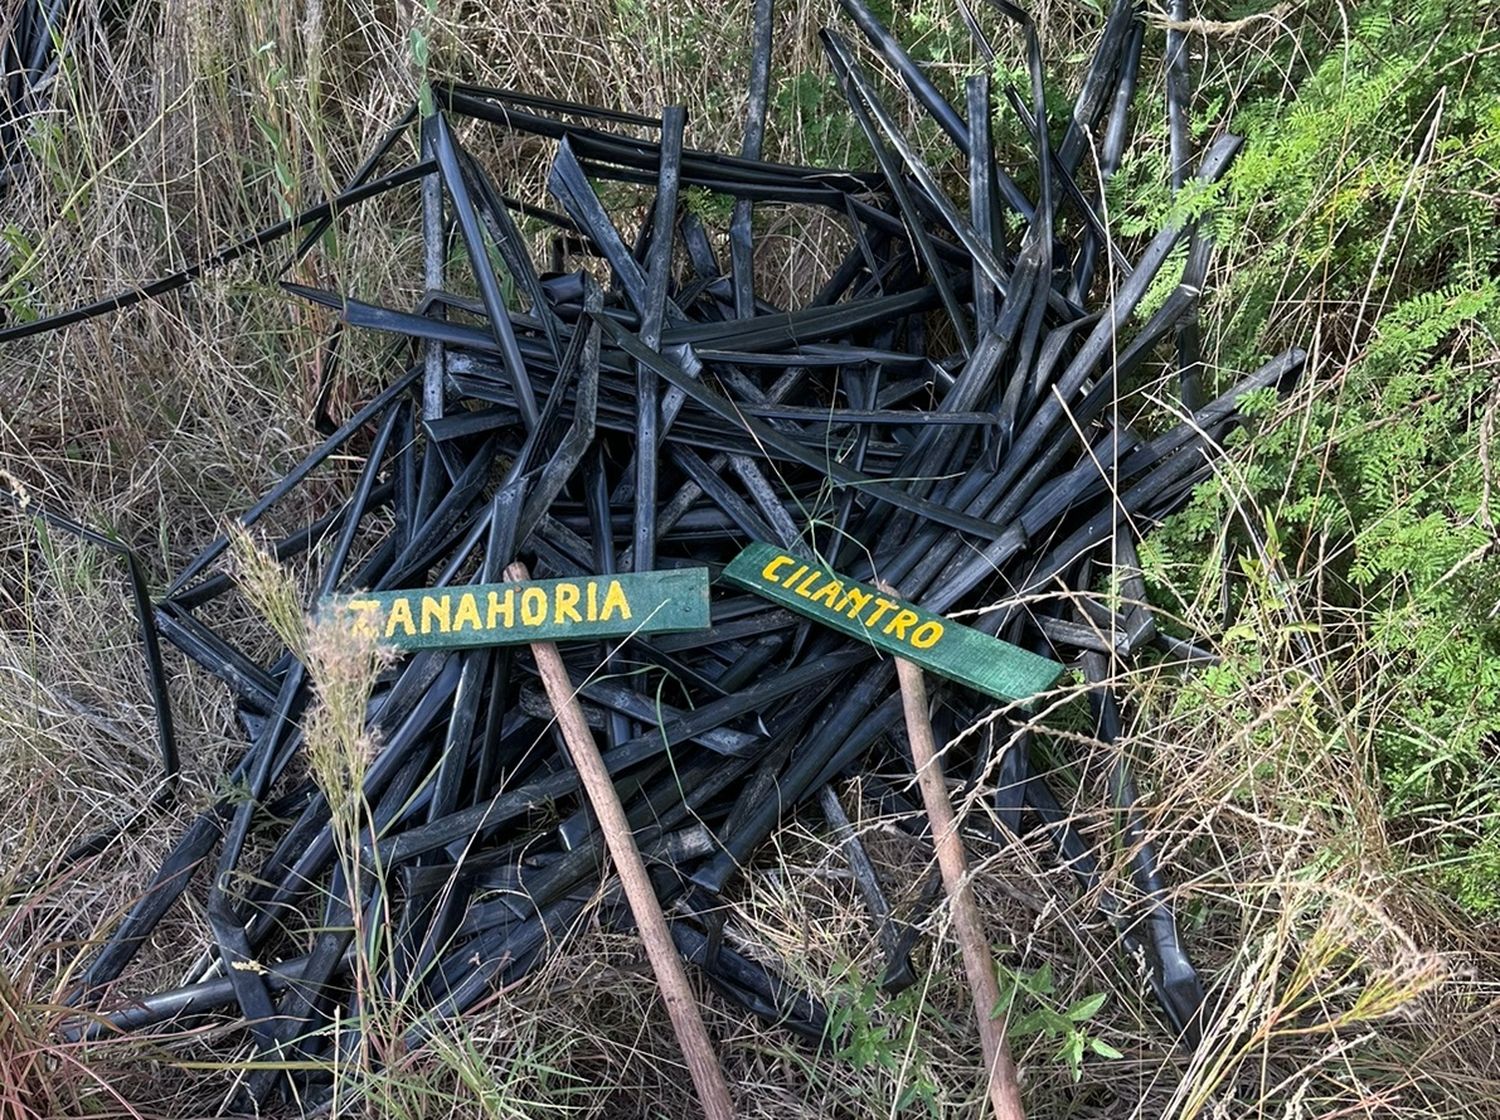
<point x="1004" y="1089"/>
<point x="692" y="1036"/>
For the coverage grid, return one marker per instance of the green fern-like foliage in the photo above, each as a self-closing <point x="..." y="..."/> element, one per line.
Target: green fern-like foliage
<point x="1363" y="221"/>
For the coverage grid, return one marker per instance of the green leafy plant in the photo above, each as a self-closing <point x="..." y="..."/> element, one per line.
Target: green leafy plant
<point x="1359" y="221"/>
<point x="873" y="1032"/>
<point x="1030" y="999"/>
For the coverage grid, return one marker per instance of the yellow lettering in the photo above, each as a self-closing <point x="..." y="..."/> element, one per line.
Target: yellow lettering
<point x="533" y="606"/>
<point x="502" y="609"/>
<point x="467" y="609"/>
<point x="795" y="576"/>
<point x="593" y="589"/>
<point x="614" y="599"/>
<point x="828" y="594"/>
<point x="768" y="573"/>
<point x="926" y="635"/>
<point x="859" y="600"/>
<point x="808" y="582"/>
<point x="898" y="624"/>
<point x="367" y="622"/>
<point x="567" y="603"/>
<point x="435" y="610"/>
<point x="400" y="614"/>
<point x="882" y="605"/>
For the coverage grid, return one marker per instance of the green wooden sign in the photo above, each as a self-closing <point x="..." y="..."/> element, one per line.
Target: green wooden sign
<point x="900" y="628"/>
<point x="541" y="610"/>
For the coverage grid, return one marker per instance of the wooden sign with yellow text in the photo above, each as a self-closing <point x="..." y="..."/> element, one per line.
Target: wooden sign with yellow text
<point x="900" y="628"/>
<point x="542" y="610"/>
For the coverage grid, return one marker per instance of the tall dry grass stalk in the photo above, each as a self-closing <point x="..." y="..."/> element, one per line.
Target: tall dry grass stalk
<point x="343" y="663"/>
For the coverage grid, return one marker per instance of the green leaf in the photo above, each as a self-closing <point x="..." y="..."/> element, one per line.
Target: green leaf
<point x="1071" y="1052"/>
<point x="1058" y="1025"/>
<point x="1087" y="1007"/>
<point x="1041" y="981"/>
<point x="1030" y="1023"/>
<point x="1104" y="1049"/>
<point x="1005" y="980"/>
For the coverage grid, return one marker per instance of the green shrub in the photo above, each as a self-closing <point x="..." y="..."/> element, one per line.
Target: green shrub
<point x="1361" y="222"/>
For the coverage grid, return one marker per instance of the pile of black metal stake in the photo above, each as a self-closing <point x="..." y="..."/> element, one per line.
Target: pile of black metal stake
<point x="944" y="415"/>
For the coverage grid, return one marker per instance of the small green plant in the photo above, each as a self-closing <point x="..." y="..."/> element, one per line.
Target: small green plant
<point x="808" y="104"/>
<point x="875" y="1033"/>
<point x="419" y="42"/>
<point x="1029" y="998"/>
<point x="711" y="208"/>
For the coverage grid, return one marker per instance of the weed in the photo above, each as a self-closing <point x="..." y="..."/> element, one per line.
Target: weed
<point x="1029" y="999"/>
<point x="882" y="1035"/>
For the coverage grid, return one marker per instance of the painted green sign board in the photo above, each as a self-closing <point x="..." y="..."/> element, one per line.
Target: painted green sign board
<point x="899" y="628"/>
<point x="541" y="610"/>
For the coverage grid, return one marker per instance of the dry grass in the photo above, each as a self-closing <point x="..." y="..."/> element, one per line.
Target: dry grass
<point x="1348" y="986"/>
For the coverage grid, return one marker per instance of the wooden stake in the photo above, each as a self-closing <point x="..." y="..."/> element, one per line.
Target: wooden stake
<point x="1004" y="1089"/>
<point x="671" y="978"/>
